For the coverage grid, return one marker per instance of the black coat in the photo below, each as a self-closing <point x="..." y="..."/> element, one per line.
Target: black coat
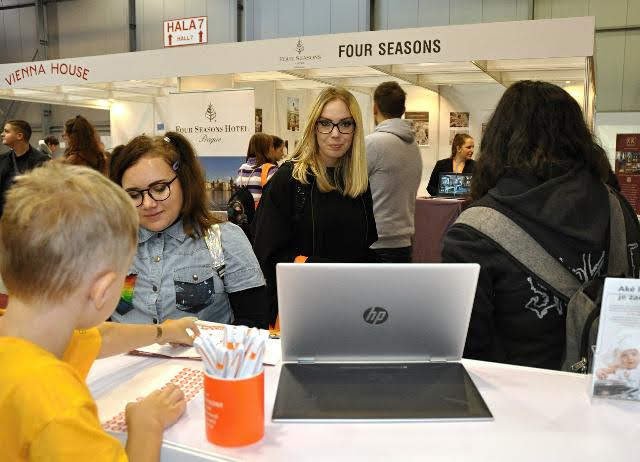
<point x="329" y="227"/>
<point x="10" y="165"/>
<point x="446" y="166"/>
<point x="516" y="317"/>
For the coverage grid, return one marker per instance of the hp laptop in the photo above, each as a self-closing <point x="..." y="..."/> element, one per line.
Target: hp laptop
<point x="375" y="342"/>
<point x="454" y="185"/>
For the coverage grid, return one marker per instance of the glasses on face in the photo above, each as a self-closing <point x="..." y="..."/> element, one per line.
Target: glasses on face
<point x="159" y="192"/>
<point x="345" y="126"/>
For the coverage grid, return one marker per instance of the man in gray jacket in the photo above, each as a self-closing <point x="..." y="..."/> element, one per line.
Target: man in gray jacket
<point x="395" y="167"/>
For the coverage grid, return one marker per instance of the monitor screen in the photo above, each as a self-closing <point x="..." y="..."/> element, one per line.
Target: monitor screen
<point x="454" y="184"/>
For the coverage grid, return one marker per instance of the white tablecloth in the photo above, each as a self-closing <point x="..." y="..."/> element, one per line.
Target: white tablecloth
<point x="539" y="416"/>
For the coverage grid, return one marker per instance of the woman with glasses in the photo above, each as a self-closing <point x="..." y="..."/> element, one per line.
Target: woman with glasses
<point x="318" y="207"/>
<point x="180" y="268"/>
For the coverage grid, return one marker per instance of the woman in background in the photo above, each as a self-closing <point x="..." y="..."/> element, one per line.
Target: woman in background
<point x="83" y="146"/>
<point x="460" y="161"/>
<point x="258" y="167"/>
<point x="318" y="206"/>
<point x="277" y="150"/>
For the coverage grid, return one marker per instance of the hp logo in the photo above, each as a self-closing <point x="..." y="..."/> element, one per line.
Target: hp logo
<point x="375" y="315"/>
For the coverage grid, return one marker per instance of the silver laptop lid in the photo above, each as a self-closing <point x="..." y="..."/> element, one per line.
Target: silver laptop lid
<point x="352" y="312"/>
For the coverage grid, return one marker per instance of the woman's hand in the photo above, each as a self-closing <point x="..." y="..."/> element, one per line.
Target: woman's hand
<point x="175" y="331"/>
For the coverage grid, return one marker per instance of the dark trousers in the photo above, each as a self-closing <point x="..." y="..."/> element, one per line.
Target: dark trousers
<point x="397" y="255"/>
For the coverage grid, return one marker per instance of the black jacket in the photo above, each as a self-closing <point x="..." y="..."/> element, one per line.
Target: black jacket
<point x="445" y="166"/>
<point x="329" y="227"/>
<point x="516" y="318"/>
<point x="10" y="165"/>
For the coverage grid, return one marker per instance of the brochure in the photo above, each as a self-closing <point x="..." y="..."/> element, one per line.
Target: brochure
<point x="616" y="371"/>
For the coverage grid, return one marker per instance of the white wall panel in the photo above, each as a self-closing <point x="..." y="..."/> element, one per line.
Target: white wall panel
<point x="609" y="13"/>
<point x="499" y="10"/>
<point x="569" y="8"/>
<point x="403" y="17"/>
<point x="346" y="16"/>
<point x="91" y="27"/>
<point x="609" y="66"/>
<point x="465" y="11"/>
<point x="264" y="19"/>
<point x="433" y="13"/>
<point x="290" y="18"/>
<point x="633" y="13"/>
<point x="317" y="17"/>
<point x="631" y="76"/>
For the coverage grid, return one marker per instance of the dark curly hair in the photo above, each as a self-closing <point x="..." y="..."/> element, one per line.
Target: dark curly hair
<point x="537" y="128"/>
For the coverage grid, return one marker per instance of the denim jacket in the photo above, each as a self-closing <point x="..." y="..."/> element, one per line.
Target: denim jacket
<point x="172" y="276"/>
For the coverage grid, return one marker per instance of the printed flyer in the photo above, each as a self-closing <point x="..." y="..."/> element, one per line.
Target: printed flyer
<point x="616" y="371"/>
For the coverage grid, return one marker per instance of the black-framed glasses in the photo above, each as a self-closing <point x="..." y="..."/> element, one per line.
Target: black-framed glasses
<point x="345" y="126"/>
<point x="159" y="192"/>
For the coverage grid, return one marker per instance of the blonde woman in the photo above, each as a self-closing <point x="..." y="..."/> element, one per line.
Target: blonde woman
<point x="318" y="207"/>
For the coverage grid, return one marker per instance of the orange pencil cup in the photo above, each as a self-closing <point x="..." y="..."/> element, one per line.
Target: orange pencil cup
<point x="234" y="409"/>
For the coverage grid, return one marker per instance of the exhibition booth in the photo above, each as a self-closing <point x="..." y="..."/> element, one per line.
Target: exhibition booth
<point x="217" y="95"/>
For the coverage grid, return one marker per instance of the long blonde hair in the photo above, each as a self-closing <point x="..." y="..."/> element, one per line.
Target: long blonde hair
<point x="351" y="169"/>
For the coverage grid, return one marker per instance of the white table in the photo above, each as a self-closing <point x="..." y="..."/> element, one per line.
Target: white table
<point x="540" y="416"/>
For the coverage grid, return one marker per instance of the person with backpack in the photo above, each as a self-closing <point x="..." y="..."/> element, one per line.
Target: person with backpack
<point x="187" y="262"/>
<point x="252" y="176"/>
<point x="543" y="226"/>
<point x="318" y="206"/>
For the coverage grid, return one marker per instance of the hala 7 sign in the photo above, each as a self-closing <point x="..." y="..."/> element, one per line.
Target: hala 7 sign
<point x="185" y="31"/>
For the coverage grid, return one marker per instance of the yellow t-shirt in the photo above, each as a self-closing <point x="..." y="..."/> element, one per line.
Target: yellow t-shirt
<point x="46" y="410"/>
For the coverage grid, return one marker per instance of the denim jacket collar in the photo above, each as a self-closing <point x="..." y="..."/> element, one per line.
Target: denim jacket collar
<point x="176" y="231"/>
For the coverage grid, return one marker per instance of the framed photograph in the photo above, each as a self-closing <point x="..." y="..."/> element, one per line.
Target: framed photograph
<point x="458" y="120"/>
<point x="258" y="120"/>
<point x="420" y="125"/>
<point x="293" y="114"/>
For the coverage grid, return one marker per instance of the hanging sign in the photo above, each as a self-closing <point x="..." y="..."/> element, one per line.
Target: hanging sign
<point x="217" y="123"/>
<point x="185" y="31"/>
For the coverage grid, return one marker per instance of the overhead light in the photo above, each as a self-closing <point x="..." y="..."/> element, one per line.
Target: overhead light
<point x="567" y="81"/>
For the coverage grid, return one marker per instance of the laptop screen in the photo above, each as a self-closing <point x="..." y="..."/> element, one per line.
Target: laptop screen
<point x="454" y="184"/>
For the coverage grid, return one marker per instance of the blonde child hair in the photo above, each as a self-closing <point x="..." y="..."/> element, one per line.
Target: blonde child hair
<point x="61" y="224"/>
<point x="351" y="170"/>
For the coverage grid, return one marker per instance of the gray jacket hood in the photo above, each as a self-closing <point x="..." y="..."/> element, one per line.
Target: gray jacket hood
<point x="399" y="127"/>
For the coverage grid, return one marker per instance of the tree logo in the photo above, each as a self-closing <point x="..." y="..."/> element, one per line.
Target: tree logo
<point x="210" y="113"/>
<point x="299" y="46"/>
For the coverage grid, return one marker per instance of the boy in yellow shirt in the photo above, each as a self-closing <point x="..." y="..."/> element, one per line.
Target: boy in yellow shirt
<point x="67" y="238"/>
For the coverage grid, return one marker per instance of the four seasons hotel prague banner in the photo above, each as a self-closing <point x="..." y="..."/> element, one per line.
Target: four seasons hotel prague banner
<point x="218" y="123"/>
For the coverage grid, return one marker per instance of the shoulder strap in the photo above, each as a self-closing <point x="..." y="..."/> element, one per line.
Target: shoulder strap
<point x="212" y="237"/>
<point x="521" y="246"/>
<point x="265" y="173"/>
<point x="618" y="262"/>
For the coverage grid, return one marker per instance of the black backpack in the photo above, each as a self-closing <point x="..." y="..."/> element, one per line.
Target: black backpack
<point x="241" y="207"/>
<point x="583" y="299"/>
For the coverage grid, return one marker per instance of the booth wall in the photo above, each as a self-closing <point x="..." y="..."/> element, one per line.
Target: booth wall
<point x="130" y="119"/>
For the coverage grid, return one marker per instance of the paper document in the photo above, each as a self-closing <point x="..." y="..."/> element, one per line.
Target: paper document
<point x="272" y="354"/>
